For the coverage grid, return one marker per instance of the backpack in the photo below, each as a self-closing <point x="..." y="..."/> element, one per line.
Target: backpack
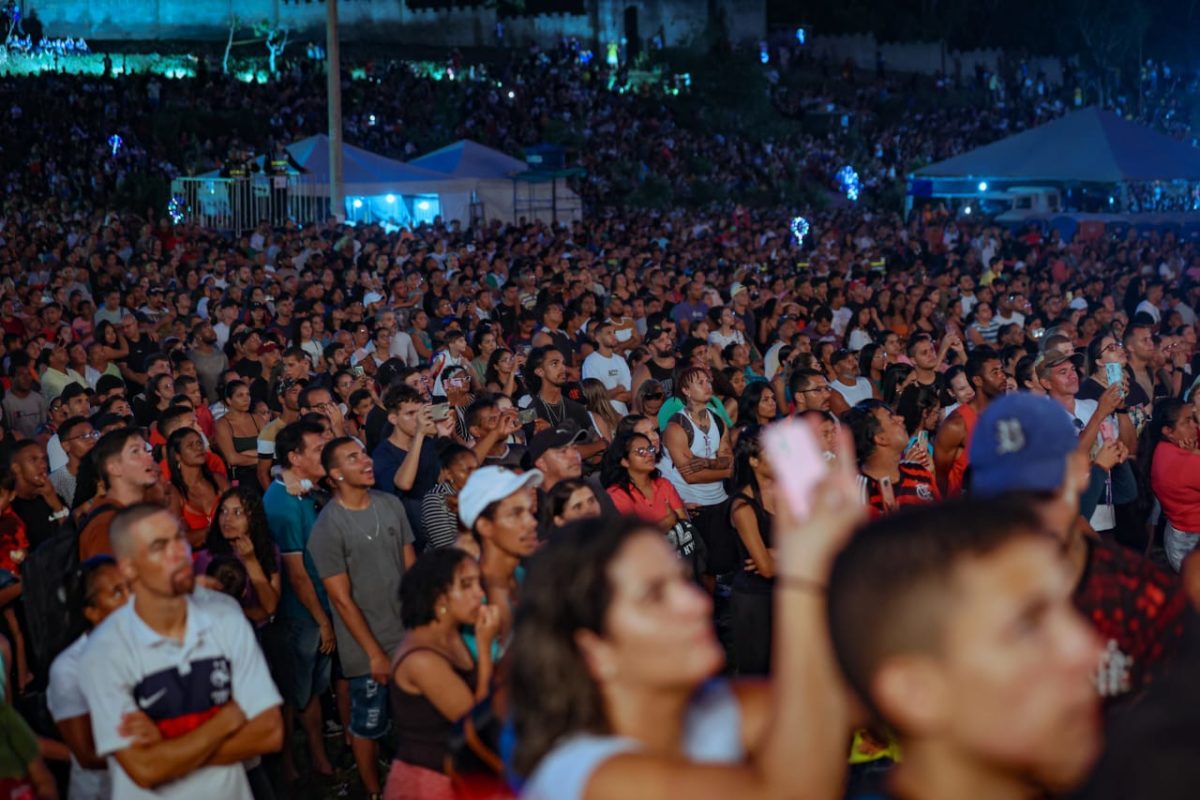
<point x="51" y="621"/>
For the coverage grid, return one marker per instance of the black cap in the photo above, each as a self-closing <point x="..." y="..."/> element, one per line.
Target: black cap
<point x="567" y="432"/>
<point x="107" y="383"/>
<point x="71" y="391"/>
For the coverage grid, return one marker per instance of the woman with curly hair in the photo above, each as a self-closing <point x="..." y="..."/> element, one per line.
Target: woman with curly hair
<point x="240" y="529"/>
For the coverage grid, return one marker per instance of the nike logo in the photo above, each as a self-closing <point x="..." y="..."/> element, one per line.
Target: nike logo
<point x="146" y="702"/>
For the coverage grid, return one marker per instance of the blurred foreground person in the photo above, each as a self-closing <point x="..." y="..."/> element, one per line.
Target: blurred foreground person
<point x="1026" y="450"/>
<point x="613" y="660"/>
<point x="954" y="626"/>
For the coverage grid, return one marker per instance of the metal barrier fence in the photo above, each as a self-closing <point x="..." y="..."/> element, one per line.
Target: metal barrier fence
<point x="240" y="204"/>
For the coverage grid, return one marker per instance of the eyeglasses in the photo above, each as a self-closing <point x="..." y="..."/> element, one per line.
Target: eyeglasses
<point x="819" y="389"/>
<point x="646" y="451"/>
<point x="88" y="435"/>
<point x="1108" y="348"/>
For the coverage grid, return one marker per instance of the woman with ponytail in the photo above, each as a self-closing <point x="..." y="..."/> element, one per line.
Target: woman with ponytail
<point x="1174" y="461"/>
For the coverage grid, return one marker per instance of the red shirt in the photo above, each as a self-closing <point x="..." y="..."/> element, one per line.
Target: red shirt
<point x="1138" y="608"/>
<point x="14" y="541"/>
<point x="958" y="471"/>
<point x="915" y="488"/>
<point x="1175" y="479"/>
<point x="653" y="509"/>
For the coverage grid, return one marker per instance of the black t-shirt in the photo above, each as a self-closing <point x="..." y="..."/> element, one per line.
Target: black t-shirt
<point x="35" y="513"/>
<point x="554" y="413"/>
<point x="1091" y="389"/>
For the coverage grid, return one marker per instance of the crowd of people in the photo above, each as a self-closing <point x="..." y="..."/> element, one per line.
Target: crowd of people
<point x="499" y="510"/>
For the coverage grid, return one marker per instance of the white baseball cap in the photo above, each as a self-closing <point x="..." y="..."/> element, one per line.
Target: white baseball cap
<point x="488" y="485"/>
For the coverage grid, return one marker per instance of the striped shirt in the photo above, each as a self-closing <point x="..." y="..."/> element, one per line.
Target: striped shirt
<point x="915" y="487"/>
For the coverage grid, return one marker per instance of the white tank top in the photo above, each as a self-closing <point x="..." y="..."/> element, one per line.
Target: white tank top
<point x="705" y="444"/>
<point x="712" y="733"/>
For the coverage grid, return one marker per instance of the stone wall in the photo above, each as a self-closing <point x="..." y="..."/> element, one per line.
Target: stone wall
<point x="921" y="57"/>
<point x="682" y="21"/>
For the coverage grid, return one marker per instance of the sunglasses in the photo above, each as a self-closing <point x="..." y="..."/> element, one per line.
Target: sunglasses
<point x="654" y="395"/>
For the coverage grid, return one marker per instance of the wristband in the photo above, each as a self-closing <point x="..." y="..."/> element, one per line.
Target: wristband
<point x="802" y="584"/>
<point x="62" y="513"/>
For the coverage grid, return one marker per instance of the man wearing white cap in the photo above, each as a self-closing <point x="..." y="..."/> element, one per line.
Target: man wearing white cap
<point x="498" y="505"/>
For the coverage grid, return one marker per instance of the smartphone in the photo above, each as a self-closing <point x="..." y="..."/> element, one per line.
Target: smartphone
<point x="923" y="439"/>
<point x="526" y="416"/>
<point x="1037" y="333"/>
<point x="439" y="411"/>
<point x="1116" y="376"/>
<point x="797" y="460"/>
<point x="358" y="371"/>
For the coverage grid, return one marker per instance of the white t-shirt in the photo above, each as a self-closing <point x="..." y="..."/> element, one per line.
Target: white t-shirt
<point x="612" y="372"/>
<point x="1149" y="308"/>
<point x="771" y="360"/>
<point x="712" y="734"/>
<point x="858" y="340"/>
<point x="64" y="697"/>
<point x="130" y="667"/>
<point x="721" y="341"/>
<point x="56" y="456"/>
<point x="1104" y="517"/>
<point x="1015" y="318"/>
<point x="861" y="390"/>
<point x="402" y="347"/>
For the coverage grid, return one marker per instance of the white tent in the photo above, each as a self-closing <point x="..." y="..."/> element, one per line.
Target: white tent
<point x="503" y="186"/>
<point x="464" y="181"/>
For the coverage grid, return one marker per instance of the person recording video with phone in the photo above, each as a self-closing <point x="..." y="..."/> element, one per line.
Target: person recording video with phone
<point x="406" y="462"/>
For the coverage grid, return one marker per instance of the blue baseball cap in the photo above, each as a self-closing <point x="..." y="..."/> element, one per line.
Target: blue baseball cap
<point x="1021" y="443"/>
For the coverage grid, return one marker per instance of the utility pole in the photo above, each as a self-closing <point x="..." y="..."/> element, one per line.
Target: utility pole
<point x="333" y="73"/>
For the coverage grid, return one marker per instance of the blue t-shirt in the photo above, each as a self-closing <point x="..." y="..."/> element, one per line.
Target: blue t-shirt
<point x="291" y="520"/>
<point x="388" y="458"/>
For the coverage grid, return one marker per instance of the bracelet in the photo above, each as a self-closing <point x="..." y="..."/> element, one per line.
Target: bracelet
<point x="802" y="584"/>
<point x="62" y="513"/>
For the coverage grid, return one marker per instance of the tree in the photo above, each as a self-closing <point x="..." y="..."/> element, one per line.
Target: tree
<point x="235" y="22"/>
<point x="276" y="39"/>
<point x="1113" y="34"/>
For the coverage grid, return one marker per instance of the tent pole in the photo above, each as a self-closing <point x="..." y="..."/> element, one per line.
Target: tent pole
<point x="333" y="72"/>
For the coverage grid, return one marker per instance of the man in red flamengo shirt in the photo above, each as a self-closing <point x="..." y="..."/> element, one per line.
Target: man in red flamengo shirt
<point x="887" y="480"/>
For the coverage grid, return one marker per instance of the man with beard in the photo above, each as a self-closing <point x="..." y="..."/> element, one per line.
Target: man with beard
<point x="211" y="362"/>
<point x="547" y="370"/>
<point x="361" y="545"/>
<point x="126" y="465"/>
<point x="810" y="391"/>
<point x="661" y="364"/>
<point x="985" y="372"/>
<point x="179" y="667"/>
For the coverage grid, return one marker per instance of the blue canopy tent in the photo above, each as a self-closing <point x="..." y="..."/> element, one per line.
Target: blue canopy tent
<point x="1086" y="146"/>
<point x="467" y="159"/>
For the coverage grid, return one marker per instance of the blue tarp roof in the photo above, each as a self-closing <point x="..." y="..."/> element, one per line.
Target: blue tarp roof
<point x="1089" y="145"/>
<point x="468" y="159"/>
<point x="358" y="166"/>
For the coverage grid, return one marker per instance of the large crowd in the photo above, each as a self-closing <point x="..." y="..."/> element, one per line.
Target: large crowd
<point x="505" y="509"/>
